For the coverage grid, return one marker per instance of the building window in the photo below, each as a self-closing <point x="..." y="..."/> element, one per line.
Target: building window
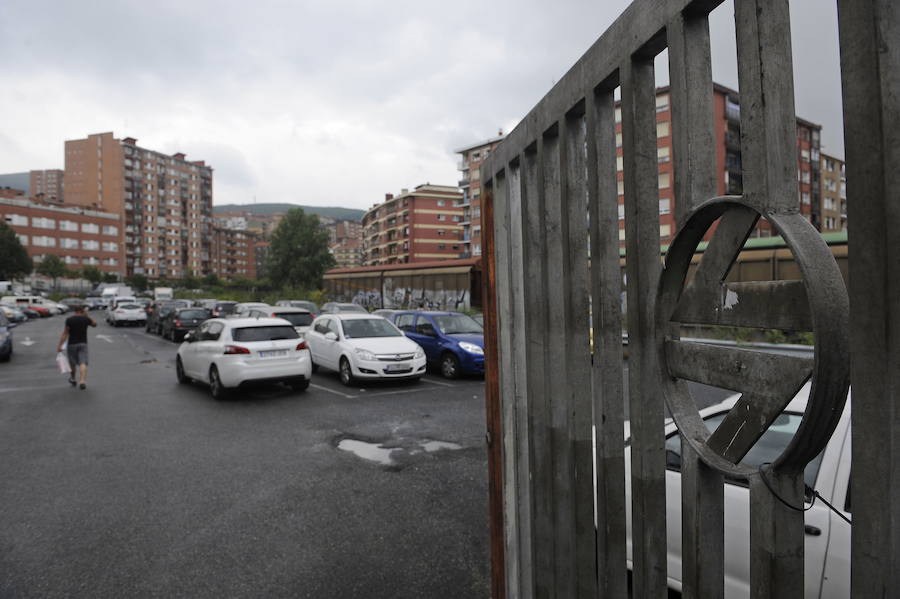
<point x="68" y="225"/>
<point x="70" y="260"/>
<point x="110" y="230"/>
<point x="621" y="211"/>
<point x="23" y="239"/>
<point x="43" y="223"/>
<point x="619" y="140"/>
<point x="662" y="102"/>
<point x="42" y="241"/>
<point x="89" y="228"/>
<point x="665" y="230"/>
<point x="665" y="206"/>
<point x="662" y="154"/>
<point x="110" y="246"/>
<point x="440" y="202"/>
<point x="441" y="217"/>
<point x="662" y="129"/>
<point x="619" y="115"/>
<point x="17" y="219"/>
<point x="620" y="163"/>
<point x="90" y="244"/>
<point x="69" y="244"/>
<point x="621" y="234"/>
<point x="620" y="186"/>
<point x="442" y="246"/>
<point x="663" y="180"/>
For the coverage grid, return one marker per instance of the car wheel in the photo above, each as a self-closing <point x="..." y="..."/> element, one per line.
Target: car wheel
<point x="450" y="366"/>
<point x="215" y="384"/>
<point x="300" y="385"/>
<point x="179" y="372"/>
<point x="346" y="372"/>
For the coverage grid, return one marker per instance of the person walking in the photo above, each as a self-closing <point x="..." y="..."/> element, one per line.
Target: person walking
<point x="77" y="351"/>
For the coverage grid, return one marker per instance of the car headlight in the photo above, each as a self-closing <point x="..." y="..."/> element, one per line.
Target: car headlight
<point x="420" y="353"/>
<point x="471" y="347"/>
<point x="365" y="354"/>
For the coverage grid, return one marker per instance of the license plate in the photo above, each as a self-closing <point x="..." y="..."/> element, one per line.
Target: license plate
<point x="393" y="367"/>
<point x="275" y="353"/>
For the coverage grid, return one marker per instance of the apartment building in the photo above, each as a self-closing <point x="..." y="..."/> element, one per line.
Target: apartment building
<point x="424" y="224"/>
<point x="165" y="202"/>
<point x="347" y="252"/>
<point x="470" y="183"/>
<point x="80" y="236"/>
<point x="47" y="184"/>
<point x="232" y="253"/>
<point x="834" y="194"/>
<point x="10" y="193"/>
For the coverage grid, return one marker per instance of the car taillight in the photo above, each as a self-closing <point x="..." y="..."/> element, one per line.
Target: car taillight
<point x="301" y="346"/>
<point x="235" y="349"/>
<point x="177" y="323"/>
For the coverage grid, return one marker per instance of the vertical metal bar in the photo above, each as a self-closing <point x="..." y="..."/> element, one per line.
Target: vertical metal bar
<point x="768" y="118"/>
<point x="518" y="273"/>
<point x="774" y="529"/>
<point x="648" y="490"/>
<point x="493" y="408"/>
<point x="536" y="315"/>
<point x="606" y="371"/>
<point x="574" y="210"/>
<point x="561" y="435"/>
<point x="693" y="131"/>
<point x="870" y="73"/>
<point x="505" y="324"/>
<point x="769" y="159"/>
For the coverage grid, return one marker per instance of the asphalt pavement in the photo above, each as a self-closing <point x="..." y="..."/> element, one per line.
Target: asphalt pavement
<point x="141" y="487"/>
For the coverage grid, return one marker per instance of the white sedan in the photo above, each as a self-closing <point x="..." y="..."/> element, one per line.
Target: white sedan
<point x="227" y="353"/>
<point x="133" y="314"/>
<point x="362" y="346"/>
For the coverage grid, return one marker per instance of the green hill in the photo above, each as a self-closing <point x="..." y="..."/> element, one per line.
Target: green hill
<point x="334" y="212"/>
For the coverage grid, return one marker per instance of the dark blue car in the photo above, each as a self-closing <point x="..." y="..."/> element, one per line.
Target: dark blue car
<point x="6" y="348"/>
<point x="452" y="341"/>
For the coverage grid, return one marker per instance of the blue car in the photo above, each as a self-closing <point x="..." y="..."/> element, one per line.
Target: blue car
<point x="6" y="338"/>
<point x="452" y="341"/>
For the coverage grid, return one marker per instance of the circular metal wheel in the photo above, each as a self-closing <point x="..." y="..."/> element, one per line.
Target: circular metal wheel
<point x="346" y="372"/>
<point x="215" y="384"/>
<point x="450" y="366"/>
<point x="179" y="372"/>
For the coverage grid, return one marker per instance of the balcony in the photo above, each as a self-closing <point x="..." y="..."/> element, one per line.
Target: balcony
<point x="464" y="182"/>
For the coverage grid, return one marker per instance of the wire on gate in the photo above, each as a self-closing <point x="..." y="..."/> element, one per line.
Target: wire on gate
<point x="809" y="491"/>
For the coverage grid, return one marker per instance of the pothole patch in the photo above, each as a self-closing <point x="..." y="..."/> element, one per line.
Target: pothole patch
<point x="394" y="453"/>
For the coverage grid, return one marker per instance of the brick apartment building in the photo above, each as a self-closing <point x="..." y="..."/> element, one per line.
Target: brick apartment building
<point x="470" y="183"/>
<point x="47" y="184"/>
<point x="424" y="224"/>
<point x="165" y="202"/>
<point x="80" y="236"/>
<point x="834" y="194"/>
<point x="347" y="252"/>
<point x="10" y="193"/>
<point x="233" y="253"/>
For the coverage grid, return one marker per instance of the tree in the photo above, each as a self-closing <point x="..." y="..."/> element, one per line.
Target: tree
<point x="138" y="282"/>
<point x="53" y="266"/>
<point x="92" y="274"/>
<point x="14" y="259"/>
<point x="110" y="277"/>
<point x="189" y="281"/>
<point x="298" y="251"/>
<point x="211" y="280"/>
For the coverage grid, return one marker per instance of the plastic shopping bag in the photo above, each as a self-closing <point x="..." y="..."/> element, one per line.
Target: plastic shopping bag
<point x="63" y="362"/>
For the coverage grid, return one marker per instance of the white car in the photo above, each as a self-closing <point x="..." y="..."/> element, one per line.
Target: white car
<point x="300" y="318"/>
<point x="227" y="353"/>
<point x="362" y="346"/>
<point x="133" y="314"/>
<point x="827" y="547"/>
<point x="243" y="309"/>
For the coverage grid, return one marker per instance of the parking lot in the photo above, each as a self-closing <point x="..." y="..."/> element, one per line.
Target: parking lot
<point x="139" y="486"/>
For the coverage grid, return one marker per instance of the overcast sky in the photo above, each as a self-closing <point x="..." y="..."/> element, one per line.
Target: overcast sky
<point x="323" y="103"/>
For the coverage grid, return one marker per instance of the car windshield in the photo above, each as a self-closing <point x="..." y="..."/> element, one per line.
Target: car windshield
<point x="193" y="314"/>
<point x="454" y="324"/>
<point x="267" y="333"/>
<point x="298" y="319"/>
<point x="369" y="327"/>
<point x="350" y="308"/>
<point x="227" y="308"/>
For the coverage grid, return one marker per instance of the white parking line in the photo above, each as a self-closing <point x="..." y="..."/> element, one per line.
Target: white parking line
<point x="14" y="389"/>
<point x="430" y="382"/>
<point x="321" y="388"/>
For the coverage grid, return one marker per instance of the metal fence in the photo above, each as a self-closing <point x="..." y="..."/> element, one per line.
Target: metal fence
<point x="552" y="224"/>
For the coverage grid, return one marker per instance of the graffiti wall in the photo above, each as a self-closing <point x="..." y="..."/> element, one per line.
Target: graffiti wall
<point x="419" y="291"/>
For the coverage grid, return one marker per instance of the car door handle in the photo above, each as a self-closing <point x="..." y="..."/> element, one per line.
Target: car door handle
<point x="812" y="530"/>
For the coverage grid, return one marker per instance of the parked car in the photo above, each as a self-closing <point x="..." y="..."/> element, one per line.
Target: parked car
<point x="6" y="338"/>
<point x="226" y="353"/>
<point x="223" y="309"/>
<point x="180" y="321"/>
<point x="73" y="302"/>
<point x="306" y="305"/>
<point x="827" y="547"/>
<point x="14" y="315"/>
<point x="127" y="314"/>
<point x="32" y="302"/>
<point x="479" y="318"/>
<point x="242" y="310"/>
<point x="28" y="312"/>
<point x="337" y="307"/>
<point x="385" y="313"/>
<point x="362" y="346"/>
<point x="452" y="341"/>
<point x="94" y="302"/>
<point x="301" y="319"/>
<point x="156" y="316"/>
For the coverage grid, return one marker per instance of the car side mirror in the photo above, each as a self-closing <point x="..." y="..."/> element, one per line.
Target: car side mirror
<point x="331" y="336"/>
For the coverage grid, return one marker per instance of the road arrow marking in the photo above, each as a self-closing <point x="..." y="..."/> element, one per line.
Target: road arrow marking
<point x="105" y="338"/>
<point x="28" y="341"/>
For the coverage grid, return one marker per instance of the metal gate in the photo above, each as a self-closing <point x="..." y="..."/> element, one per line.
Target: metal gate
<point x="553" y="274"/>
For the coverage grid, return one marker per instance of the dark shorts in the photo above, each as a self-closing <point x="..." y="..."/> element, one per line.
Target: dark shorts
<point x="78" y="353"/>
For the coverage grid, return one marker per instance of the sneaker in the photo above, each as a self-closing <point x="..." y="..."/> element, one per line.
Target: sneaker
<point x="83" y="386"/>
<point x="72" y="381"/>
